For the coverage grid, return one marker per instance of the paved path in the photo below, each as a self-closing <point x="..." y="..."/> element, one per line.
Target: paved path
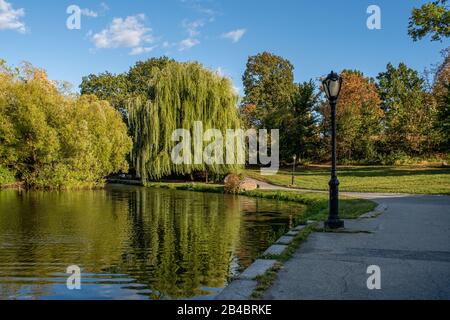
<point x="410" y="242"/>
<point x="363" y="195"/>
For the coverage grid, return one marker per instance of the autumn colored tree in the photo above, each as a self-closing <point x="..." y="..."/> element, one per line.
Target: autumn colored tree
<point x="359" y="117"/>
<point x="433" y="19"/>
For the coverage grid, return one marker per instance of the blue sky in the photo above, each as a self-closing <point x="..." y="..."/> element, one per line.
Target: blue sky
<point x="316" y="36"/>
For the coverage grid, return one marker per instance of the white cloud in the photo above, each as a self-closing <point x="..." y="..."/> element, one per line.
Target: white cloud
<point x="192" y="27"/>
<point x="89" y="13"/>
<point x="124" y="33"/>
<point x="188" y="43"/>
<point x="10" y="18"/>
<point x="104" y="6"/>
<point x="140" y="50"/>
<point x="234" y="35"/>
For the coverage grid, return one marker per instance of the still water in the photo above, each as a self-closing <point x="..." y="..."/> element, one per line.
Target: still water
<point x="132" y="242"/>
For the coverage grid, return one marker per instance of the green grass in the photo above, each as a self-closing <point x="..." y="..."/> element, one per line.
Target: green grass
<point x="402" y="179"/>
<point x="195" y="186"/>
<point x="6" y="177"/>
<point x="317" y="203"/>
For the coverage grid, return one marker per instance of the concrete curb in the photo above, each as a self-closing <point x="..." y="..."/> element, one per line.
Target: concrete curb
<point x="243" y="286"/>
<point x="382" y="207"/>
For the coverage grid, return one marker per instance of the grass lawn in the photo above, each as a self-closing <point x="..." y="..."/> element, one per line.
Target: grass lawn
<point x="402" y="179"/>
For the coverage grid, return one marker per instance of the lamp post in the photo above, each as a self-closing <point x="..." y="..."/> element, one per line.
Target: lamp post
<point x="332" y="87"/>
<point x="293" y="169"/>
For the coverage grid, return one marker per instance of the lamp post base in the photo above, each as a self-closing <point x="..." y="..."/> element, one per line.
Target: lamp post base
<point x="334" y="224"/>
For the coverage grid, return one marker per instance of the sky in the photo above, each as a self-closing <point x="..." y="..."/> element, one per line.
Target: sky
<point x="316" y="36"/>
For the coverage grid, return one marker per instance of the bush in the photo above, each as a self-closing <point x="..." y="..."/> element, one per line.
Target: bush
<point x="232" y="183"/>
<point x="6" y="177"/>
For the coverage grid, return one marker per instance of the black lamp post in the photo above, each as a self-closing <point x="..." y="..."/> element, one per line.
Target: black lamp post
<point x="293" y="169"/>
<point x="332" y="87"/>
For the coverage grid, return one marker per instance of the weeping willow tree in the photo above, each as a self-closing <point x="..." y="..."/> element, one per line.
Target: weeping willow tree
<point x="178" y="96"/>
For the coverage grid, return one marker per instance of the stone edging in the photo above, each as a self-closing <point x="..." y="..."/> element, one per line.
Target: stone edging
<point x="373" y="214"/>
<point x="242" y="287"/>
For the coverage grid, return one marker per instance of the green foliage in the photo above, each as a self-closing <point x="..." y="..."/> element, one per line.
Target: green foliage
<point x="273" y="101"/>
<point x="57" y="141"/>
<point x="269" y="85"/>
<point x="6" y="176"/>
<point x="300" y="131"/>
<point x="433" y="19"/>
<point x="177" y="96"/>
<point x="109" y="87"/>
<point x="409" y="111"/>
<point x="117" y="89"/>
<point x="443" y="119"/>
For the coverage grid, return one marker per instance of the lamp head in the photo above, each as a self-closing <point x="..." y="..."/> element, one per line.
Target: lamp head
<point x="332" y="86"/>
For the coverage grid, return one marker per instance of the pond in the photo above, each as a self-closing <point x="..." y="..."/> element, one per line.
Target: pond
<point x="132" y="242"/>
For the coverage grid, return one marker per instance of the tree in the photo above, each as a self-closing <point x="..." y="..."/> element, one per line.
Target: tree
<point x="107" y="86"/>
<point x="269" y="86"/>
<point x="433" y="19"/>
<point x="300" y="132"/>
<point x="117" y="89"/>
<point x="178" y="95"/>
<point x="57" y="141"/>
<point x="443" y="119"/>
<point x="409" y="110"/>
<point x="442" y="76"/>
<point x="142" y="74"/>
<point x="358" y="117"/>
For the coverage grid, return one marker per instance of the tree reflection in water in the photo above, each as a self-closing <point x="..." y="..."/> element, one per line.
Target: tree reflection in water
<point x="131" y="242"/>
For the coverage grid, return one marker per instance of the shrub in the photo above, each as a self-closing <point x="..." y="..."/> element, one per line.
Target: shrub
<point x="232" y="183"/>
<point x="6" y="176"/>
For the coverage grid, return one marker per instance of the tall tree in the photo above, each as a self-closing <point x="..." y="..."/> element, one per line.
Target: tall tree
<point x="117" y="89"/>
<point x="269" y="86"/>
<point x="300" y="134"/>
<point x="179" y="95"/>
<point x="358" y="117"/>
<point x="409" y="112"/>
<point x="442" y="76"/>
<point x="107" y="86"/>
<point x="433" y="19"/>
<point x="443" y="119"/>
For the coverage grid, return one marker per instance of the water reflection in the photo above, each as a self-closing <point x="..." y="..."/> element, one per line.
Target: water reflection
<point x="131" y="243"/>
